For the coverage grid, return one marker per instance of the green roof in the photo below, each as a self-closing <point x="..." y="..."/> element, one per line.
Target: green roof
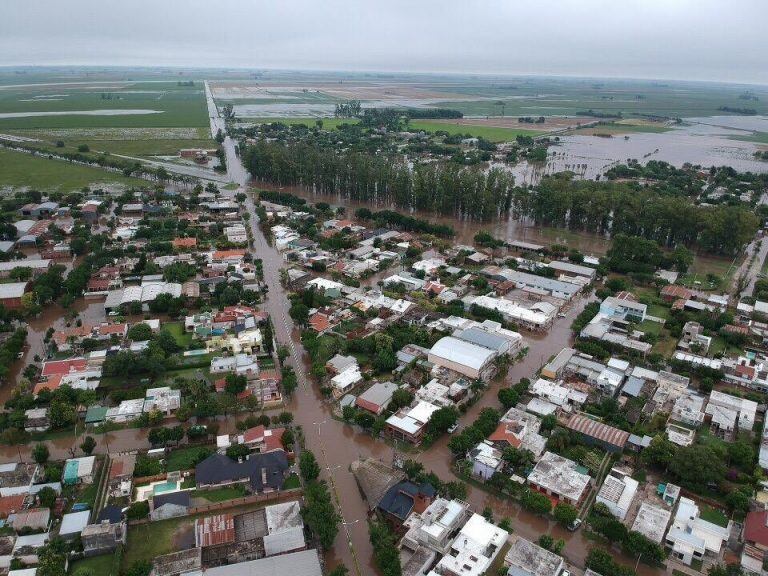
<point x="95" y="414"/>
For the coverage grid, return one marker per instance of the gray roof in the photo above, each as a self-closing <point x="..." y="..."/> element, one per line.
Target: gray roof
<point x="304" y="563"/>
<point x="379" y="394"/>
<point x="12" y="289"/>
<point x="482" y="338"/>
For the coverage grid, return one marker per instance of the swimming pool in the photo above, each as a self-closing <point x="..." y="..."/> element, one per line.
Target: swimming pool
<point x="164" y="487"/>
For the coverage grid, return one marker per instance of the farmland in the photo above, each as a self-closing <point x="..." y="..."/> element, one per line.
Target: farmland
<point x="492" y="133"/>
<point x="18" y="169"/>
<point x="103" y="104"/>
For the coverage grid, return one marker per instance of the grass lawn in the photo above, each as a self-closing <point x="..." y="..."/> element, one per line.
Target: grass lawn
<point x="183" y="338"/>
<point x="492" y="133"/>
<point x="185" y="458"/>
<point x="102" y="565"/>
<point x="719" y="346"/>
<point x="292" y="481"/>
<point x="220" y="494"/>
<point x="18" y="169"/>
<point x="650" y="327"/>
<point x="713" y="515"/>
<point x="666" y="345"/>
<point x="148" y="541"/>
<point x="659" y="311"/>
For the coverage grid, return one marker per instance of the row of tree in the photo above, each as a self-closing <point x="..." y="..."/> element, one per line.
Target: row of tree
<point x="444" y="188"/>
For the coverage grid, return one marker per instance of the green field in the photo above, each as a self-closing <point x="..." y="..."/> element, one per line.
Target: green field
<point x="492" y="133"/>
<point x="182" y="106"/>
<point x="21" y="170"/>
<point x="148" y="541"/>
<point x="185" y="458"/>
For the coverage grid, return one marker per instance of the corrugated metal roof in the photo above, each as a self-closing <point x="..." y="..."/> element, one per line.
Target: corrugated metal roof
<point x="217" y="529"/>
<point x="597" y="430"/>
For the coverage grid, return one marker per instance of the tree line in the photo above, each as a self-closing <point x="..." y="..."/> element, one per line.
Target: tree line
<point x="609" y="208"/>
<point x="447" y="189"/>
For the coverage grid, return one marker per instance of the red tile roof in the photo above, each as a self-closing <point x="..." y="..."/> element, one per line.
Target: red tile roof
<point x="319" y="322"/>
<point x="224" y="254"/>
<point x="675" y="291"/>
<point x="11" y="504"/>
<point x="504" y="433"/>
<point x="184" y="242"/>
<point x="51" y="383"/>
<point x="367" y="405"/>
<point x="64" y="366"/>
<point x="755" y="528"/>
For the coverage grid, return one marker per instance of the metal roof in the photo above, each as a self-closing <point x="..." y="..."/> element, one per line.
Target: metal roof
<point x="461" y="352"/>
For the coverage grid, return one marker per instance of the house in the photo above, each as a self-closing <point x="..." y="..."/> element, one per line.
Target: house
<point x="468" y="359"/>
<point x="524" y="558"/>
<point x="690" y="537"/>
<point x="72" y="524"/>
<point x="400" y="500"/>
<point x="36" y="266"/>
<point x="258" y="472"/>
<point x="345" y="381"/>
<point x="263" y="440"/>
<point x="126" y="411"/>
<point x="374" y="478"/>
<point x="79" y="470"/>
<point x="651" y="521"/>
<point x="163" y="399"/>
<point x="559" y="478"/>
<point x="730" y="414"/>
<point x="240" y="364"/>
<point x="559" y="395"/>
<point x="408" y="424"/>
<point x="536" y="317"/>
<point x="617" y="493"/>
<point x="36" y="420"/>
<point x="121" y="467"/>
<point x="475" y="548"/>
<point x="376" y="398"/>
<point x="755" y="541"/>
<point x="25" y="548"/>
<point x="32" y="519"/>
<point x="302" y="563"/>
<point x="519" y="429"/>
<point x="285" y="528"/>
<point x="534" y="283"/>
<point x="623" y="307"/>
<point x="102" y="538"/>
<point x="11" y="504"/>
<point x="434" y="527"/>
<point x="596" y="433"/>
<point x="170" y="505"/>
<point x="11" y="294"/>
<point x="486" y="460"/>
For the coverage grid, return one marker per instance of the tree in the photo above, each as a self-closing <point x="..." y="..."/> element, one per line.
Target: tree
<point x="47" y="497"/>
<point x="441" y="420"/>
<point x="140" y="568"/>
<point x="140" y="332"/>
<point x="659" y="452"/>
<point x="536" y="502"/>
<point x="235" y="383"/>
<point x="340" y="570"/>
<point x="138" y="510"/>
<point x="308" y="466"/>
<point x="319" y="513"/>
<point x="413" y="468"/>
<point x="697" y="466"/>
<point x="40" y="453"/>
<point x="87" y="445"/>
<point x="385" y="553"/>
<point x="238" y="451"/>
<point x="637" y="544"/>
<point x="565" y="513"/>
<point x="400" y="398"/>
<point x="546" y="541"/>
<point x="508" y="397"/>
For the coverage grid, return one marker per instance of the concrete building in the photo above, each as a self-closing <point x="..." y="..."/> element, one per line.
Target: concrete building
<point x="474" y="549"/>
<point x="617" y="493"/>
<point x="468" y="359"/>
<point x="377" y="397"/>
<point x="524" y="558"/>
<point x="486" y="460"/>
<point x="690" y="537"/>
<point x="408" y="424"/>
<point x="651" y="521"/>
<point x="560" y="478"/>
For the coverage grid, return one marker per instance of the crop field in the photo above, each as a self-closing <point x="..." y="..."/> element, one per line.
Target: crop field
<point x="21" y="170"/>
<point x="103" y="104"/>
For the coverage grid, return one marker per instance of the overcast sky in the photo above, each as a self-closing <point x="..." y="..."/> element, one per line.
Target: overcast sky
<point x="674" y="39"/>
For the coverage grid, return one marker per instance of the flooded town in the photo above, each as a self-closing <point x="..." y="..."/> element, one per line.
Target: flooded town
<point x="267" y="310"/>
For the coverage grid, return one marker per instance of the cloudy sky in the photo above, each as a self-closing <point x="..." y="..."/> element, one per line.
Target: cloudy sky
<point x="674" y="39"/>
